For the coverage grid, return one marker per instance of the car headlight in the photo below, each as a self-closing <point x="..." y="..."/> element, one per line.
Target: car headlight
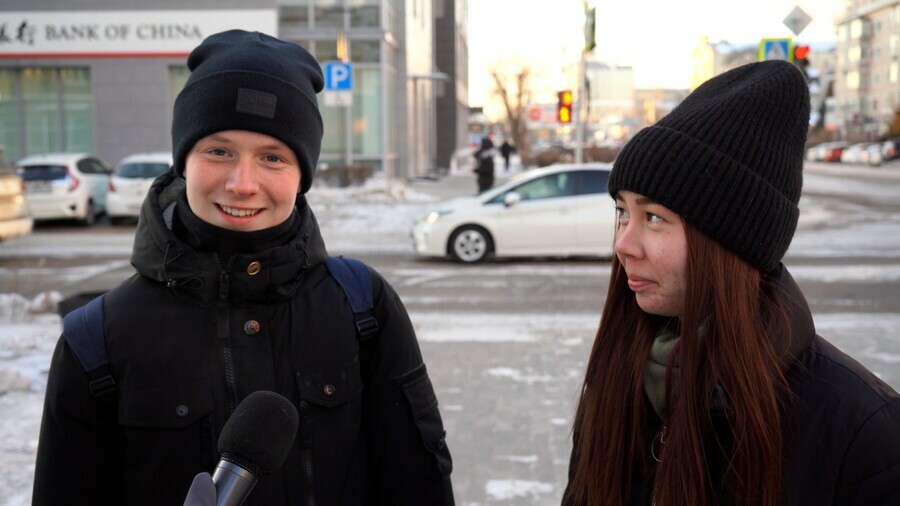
<point x="433" y="216"/>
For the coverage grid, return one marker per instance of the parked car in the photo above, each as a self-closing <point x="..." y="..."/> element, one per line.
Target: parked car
<point x="65" y="186"/>
<point x="852" y="153"/>
<point x="561" y="210"/>
<point x="890" y="149"/>
<point x="830" y="151"/>
<point x="130" y="182"/>
<point x="871" y="154"/>
<point x="14" y="218"/>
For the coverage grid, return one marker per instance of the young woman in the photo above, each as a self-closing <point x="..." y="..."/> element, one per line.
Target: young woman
<point x="707" y="383"/>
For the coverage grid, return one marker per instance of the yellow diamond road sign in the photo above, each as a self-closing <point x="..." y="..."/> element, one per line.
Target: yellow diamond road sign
<point x="797" y="20"/>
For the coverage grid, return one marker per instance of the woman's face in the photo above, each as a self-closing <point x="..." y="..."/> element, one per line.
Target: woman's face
<point x="652" y="247"/>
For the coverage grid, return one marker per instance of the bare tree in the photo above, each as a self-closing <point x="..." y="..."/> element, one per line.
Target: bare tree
<point x="514" y="90"/>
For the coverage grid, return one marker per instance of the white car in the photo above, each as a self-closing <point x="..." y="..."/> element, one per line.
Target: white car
<point x="14" y="218"/>
<point x="131" y="181"/>
<point x="560" y="210"/>
<point x="65" y="186"/>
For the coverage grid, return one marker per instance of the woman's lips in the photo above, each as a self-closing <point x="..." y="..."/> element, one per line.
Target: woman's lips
<point x="637" y="283"/>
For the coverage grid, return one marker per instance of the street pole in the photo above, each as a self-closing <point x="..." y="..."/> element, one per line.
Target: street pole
<point x="579" y="115"/>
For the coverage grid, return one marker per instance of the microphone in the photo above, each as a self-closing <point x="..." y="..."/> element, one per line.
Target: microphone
<point x="255" y="441"/>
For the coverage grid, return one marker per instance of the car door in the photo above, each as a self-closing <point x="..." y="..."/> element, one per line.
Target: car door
<point x="540" y="222"/>
<point x="593" y="214"/>
<point x="98" y="176"/>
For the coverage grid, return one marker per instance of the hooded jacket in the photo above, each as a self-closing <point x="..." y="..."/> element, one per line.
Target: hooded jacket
<point x="839" y="423"/>
<point x="192" y="333"/>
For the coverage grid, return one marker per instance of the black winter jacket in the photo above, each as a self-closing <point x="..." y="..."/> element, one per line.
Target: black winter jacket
<point x="841" y="424"/>
<point x="191" y="334"/>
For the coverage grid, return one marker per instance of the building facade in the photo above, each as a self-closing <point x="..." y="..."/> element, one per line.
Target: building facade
<point x="867" y="90"/>
<point x="102" y="77"/>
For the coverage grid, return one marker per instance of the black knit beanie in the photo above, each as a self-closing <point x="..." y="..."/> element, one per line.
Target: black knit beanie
<point x="729" y="159"/>
<point x="250" y="81"/>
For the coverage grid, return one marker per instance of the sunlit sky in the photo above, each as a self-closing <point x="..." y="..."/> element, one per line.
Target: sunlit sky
<point x="654" y="37"/>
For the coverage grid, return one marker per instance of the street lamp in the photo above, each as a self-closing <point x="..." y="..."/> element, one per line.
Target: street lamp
<point x="427" y="76"/>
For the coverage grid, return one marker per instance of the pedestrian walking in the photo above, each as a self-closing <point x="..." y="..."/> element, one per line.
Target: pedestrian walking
<point x="484" y="166"/>
<point x="506" y="149"/>
<point x="707" y="382"/>
<point x="233" y="295"/>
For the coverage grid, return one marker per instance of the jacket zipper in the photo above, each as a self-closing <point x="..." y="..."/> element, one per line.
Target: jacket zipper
<point x="225" y="338"/>
<point x="306" y="455"/>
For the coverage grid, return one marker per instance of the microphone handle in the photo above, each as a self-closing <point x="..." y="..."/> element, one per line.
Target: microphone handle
<point x="233" y="483"/>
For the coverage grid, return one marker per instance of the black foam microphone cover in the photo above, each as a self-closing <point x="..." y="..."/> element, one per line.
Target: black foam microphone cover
<point x="259" y="434"/>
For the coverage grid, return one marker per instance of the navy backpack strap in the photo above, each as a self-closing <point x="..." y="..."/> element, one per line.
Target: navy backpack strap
<point x="355" y="279"/>
<point x="83" y="331"/>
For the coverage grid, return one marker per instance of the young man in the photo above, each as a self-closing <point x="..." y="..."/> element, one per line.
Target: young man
<point x="232" y="296"/>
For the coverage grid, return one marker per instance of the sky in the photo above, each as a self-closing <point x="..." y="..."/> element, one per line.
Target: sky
<point x="655" y="37"/>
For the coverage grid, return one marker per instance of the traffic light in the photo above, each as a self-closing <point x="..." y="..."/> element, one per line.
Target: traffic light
<point x="801" y="52"/>
<point x="564" y="106"/>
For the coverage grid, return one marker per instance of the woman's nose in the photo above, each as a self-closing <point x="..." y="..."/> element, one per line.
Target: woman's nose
<point x="627" y="241"/>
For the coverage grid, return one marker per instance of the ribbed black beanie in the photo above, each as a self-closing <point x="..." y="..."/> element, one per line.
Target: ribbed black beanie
<point x="250" y="81"/>
<point x="729" y="159"/>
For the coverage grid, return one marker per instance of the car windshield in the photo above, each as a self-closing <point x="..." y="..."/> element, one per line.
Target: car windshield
<point x="43" y="172"/>
<point x="147" y="170"/>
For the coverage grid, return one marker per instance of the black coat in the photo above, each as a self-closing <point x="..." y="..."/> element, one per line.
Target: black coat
<point x="184" y="354"/>
<point x="841" y="424"/>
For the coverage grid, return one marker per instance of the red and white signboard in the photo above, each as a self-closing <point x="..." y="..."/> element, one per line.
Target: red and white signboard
<point x="113" y="34"/>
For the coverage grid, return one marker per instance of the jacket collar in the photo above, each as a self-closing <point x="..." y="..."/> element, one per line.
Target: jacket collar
<point x="207" y="277"/>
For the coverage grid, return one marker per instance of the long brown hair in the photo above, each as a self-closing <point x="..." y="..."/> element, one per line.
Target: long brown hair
<point x="613" y="425"/>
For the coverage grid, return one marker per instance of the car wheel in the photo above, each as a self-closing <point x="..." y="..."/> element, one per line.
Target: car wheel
<point x="89" y="215"/>
<point x="470" y="244"/>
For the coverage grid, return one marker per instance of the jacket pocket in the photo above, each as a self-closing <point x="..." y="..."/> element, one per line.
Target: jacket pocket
<point x="423" y="403"/>
<point x="172" y="406"/>
<point x="330" y="409"/>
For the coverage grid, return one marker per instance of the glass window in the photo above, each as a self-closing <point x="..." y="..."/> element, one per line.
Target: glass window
<point x="77" y="105"/>
<point x="146" y="170"/>
<point x="329" y="14"/>
<point x="589" y="182"/>
<point x="333" y="121"/>
<point x="546" y="187"/>
<point x="326" y="50"/>
<point x="44" y="172"/>
<point x="364" y="13"/>
<point x="40" y="98"/>
<point x="366" y="112"/>
<point x="295" y="12"/>
<point x="364" y="51"/>
<point x="9" y="115"/>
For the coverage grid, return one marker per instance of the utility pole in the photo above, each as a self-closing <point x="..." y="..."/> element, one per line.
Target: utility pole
<point x="589" y="44"/>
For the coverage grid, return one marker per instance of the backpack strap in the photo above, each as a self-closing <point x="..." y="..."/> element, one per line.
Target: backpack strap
<point x="355" y="280"/>
<point x="83" y="331"/>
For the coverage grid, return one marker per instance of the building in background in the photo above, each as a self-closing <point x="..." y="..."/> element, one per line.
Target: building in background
<point x="102" y="77"/>
<point x="867" y="84"/>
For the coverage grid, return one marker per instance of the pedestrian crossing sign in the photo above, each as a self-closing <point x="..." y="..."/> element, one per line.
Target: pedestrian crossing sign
<point x="776" y="49"/>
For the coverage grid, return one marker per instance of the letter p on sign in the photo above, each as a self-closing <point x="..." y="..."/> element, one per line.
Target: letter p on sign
<point x="338" y="76"/>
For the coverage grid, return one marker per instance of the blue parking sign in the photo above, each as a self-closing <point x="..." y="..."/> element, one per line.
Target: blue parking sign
<point x="338" y="76"/>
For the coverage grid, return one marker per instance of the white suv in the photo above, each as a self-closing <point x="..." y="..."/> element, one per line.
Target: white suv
<point x="65" y="186"/>
<point x="131" y="181"/>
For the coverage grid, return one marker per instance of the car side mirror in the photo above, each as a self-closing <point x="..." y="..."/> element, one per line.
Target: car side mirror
<point x="511" y="199"/>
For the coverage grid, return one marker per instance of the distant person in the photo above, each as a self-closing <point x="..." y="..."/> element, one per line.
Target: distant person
<point x="707" y="383"/>
<point x="484" y="168"/>
<point x="231" y="296"/>
<point x="506" y="149"/>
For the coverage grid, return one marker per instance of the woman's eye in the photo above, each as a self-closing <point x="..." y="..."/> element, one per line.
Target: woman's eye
<point x="273" y="158"/>
<point x="621" y="213"/>
<point x="654" y="218"/>
<point x="217" y="152"/>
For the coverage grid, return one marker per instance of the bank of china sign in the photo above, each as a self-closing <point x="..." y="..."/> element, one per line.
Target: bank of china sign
<point x="67" y="34"/>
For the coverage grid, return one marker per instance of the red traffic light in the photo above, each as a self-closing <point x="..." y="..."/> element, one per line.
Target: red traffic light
<point x="801" y="52"/>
